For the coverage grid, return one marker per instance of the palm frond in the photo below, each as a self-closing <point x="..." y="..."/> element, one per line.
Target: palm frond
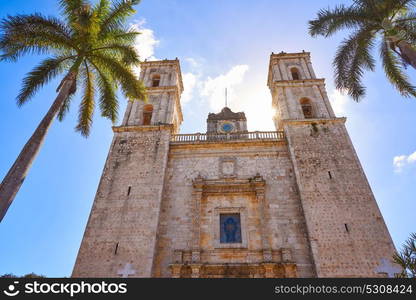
<point x="399" y="5"/>
<point x="65" y="108"/>
<point x="34" y="33"/>
<point x="127" y="54"/>
<point x="86" y="108"/>
<point x="393" y="69"/>
<point x="130" y="85"/>
<point x="120" y="36"/>
<point x="329" y="21"/>
<point x="400" y="259"/>
<point x="407" y="258"/>
<point x="382" y="8"/>
<point x="34" y="22"/>
<point x="39" y="76"/>
<point x="93" y="42"/>
<point x="86" y="26"/>
<point x="119" y="12"/>
<point x="407" y="16"/>
<point x="407" y="31"/>
<point x="70" y="9"/>
<point x="352" y="58"/>
<point x="102" y="8"/>
<point x="108" y="98"/>
<point x="361" y="61"/>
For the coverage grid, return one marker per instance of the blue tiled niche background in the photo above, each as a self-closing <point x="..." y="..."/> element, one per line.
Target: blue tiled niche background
<point x="230" y="228"/>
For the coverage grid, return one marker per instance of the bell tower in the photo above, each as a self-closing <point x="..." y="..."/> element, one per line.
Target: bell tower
<point x="346" y="232"/>
<point x="121" y="232"/>
<point x="163" y="81"/>
<point x="297" y="93"/>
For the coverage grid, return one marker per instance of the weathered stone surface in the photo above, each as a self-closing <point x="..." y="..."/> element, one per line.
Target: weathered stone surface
<point x="347" y="234"/>
<point x="306" y="208"/>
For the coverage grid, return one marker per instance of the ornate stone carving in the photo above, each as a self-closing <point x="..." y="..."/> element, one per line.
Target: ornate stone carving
<point x="236" y="270"/>
<point x="228" y="167"/>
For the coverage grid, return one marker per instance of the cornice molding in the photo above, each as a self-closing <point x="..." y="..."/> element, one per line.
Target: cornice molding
<point x="302" y="82"/>
<point x="220" y="144"/>
<point x="313" y="121"/>
<point x="135" y="128"/>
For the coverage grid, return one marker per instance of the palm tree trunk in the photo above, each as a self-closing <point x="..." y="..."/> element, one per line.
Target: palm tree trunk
<point x="408" y="53"/>
<point x="17" y="173"/>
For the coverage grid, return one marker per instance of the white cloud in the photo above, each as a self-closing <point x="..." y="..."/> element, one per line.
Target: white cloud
<point x="412" y="158"/>
<point x="339" y="103"/>
<point x="256" y="101"/>
<point x="247" y="92"/>
<point x="146" y="41"/>
<point x="401" y="161"/>
<point x="214" y="88"/>
<point x="189" y="83"/>
<point x="194" y="63"/>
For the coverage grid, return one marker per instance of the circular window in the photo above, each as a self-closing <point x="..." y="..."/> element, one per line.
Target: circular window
<point x="227" y="127"/>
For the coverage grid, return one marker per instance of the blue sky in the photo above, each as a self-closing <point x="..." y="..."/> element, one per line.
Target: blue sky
<point x="220" y="44"/>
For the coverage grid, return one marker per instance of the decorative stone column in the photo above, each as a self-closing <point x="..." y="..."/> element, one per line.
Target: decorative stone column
<point x="267" y="255"/>
<point x="198" y="184"/>
<point x="196" y="256"/>
<point x="286" y="255"/>
<point x="258" y="184"/>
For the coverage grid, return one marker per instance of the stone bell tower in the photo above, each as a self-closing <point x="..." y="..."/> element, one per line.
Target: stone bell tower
<point x="120" y="236"/>
<point x="163" y="80"/>
<point x="347" y="234"/>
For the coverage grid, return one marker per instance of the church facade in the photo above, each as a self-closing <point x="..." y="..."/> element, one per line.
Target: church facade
<point x="293" y="202"/>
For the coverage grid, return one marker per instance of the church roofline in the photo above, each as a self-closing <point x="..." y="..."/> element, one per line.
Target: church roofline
<point x="227" y="114"/>
<point x="289" y="55"/>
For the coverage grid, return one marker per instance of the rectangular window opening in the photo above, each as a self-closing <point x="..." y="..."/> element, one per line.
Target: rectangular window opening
<point x="147" y="118"/>
<point x="346" y="228"/>
<point x="115" y="251"/>
<point x="128" y="191"/>
<point x="329" y="174"/>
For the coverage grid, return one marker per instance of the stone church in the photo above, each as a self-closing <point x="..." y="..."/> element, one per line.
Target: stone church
<point x="293" y="202"/>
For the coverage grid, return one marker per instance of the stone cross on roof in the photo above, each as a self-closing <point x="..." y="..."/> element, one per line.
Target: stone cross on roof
<point x="126" y="271"/>
<point x="387" y="267"/>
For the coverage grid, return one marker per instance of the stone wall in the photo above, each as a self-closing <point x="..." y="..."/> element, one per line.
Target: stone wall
<point x="279" y="226"/>
<point x="122" y="226"/>
<point x="348" y="235"/>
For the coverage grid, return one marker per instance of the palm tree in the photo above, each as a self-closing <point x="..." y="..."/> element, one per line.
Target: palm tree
<point x="90" y="47"/>
<point x="407" y="258"/>
<point x="391" y="23"/>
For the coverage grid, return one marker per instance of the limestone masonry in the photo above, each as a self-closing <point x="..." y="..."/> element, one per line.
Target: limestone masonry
<point x="293" y="202"/>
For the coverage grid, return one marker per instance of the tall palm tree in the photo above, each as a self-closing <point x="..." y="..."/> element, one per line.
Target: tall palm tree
<point x="91" y="47"/>
<point x="391" y="23"/>
<point x="407" y="258"/>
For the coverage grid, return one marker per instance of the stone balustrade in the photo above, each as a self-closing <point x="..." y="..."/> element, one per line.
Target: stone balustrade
<point x="203" y="137"/>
